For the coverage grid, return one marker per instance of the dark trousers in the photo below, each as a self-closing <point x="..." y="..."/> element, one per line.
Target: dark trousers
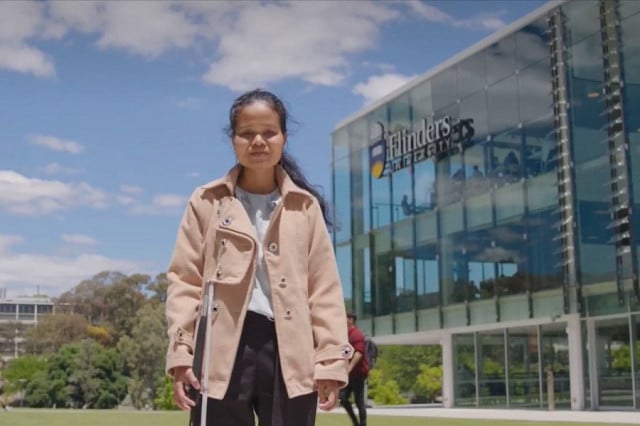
<point x="355" y="386"/>
<point x="256" y="388"/>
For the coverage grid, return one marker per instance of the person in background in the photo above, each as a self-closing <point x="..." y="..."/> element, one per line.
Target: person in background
<point x="3" y="404"/>
<point x="279" y="345"/>
<point x="358" y="373"/>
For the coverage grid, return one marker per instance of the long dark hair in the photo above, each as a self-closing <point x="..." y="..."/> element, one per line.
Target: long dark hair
<point x="287" y="162"/>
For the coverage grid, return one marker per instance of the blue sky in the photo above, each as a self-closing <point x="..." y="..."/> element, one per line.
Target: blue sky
<point x="111" y="113"/>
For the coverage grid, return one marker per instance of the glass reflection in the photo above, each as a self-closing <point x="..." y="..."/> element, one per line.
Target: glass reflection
<point x="380" y="187"/>
<point x="555" y="363"/>
<point x="465" y="370"/>
<point x="343" y="258"/>
<point x="524" y="364"/>
<point x="532" y="43"/>
<point x="501" y="59"/>
<point x="582" y="19"/>
<point x="384" y="265"/>
<point x="491" y="369"/>
<point x="613" y="355"/>
<point x="503" y="105"/>
<point x="342" y="198"/>
<point x="471" y="74"/>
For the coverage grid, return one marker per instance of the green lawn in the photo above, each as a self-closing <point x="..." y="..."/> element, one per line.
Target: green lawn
<point x="29" y="417"/>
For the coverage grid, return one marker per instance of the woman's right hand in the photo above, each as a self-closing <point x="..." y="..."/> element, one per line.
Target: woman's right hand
<point x="183" y="379"/>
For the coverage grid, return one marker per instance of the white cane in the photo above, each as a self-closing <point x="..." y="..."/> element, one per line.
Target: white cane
<point x="204" y="379"/>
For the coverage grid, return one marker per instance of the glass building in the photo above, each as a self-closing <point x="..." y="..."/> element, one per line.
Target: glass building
<point x="489" y="206"/>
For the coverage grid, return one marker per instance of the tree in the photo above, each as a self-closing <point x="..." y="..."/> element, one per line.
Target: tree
<point x="79" y="375"/>
<point x="429" y="382"/>
<point x="123" y="300"/>
<point x="54" y="332"/>
<point x="144" y="353"/>
<point x="20" y="371"/>
<point x="158" y="288"/>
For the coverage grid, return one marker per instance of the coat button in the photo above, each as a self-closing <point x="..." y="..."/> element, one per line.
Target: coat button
<point x="273" y="247"/>
<point x="282" y="282"/>
<point x="287" y="314"/>
<point x="226" y="221"/>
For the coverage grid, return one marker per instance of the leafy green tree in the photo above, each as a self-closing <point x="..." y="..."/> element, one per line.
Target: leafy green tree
<point x="158" y="288"/>
<point x="402" y="363"/>
<point x="429" y="382"/>
<point x="123" y="300"/>
<point x="20" y="371"/>
<point x="144" y="353"/>
<point x="79" y="375"/>
<point x="384" y="391"/>
<point x="164" y="394"/>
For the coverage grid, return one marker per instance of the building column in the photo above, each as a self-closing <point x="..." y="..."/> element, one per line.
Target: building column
<point x="446" y="342"/>
<point x="576" y="364"/>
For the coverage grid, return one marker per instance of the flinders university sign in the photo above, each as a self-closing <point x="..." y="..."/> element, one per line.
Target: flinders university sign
<point x="400" y="149"/>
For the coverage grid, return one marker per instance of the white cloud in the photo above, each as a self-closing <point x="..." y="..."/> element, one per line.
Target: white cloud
<point x="485" y="21"/>
<point x="161" y="204"/>
<point x="304" y="40"/>
<point x="7" y="241"/>
<point x="20" y="21"/>
<point x="25" y="59"/>
<point x="146" y="27"/>
<point x="59" y="169"/>
<point x="78" y="239"/>
<point x="193" y="174"/>
<point x="56" y="274"/>
<point x="29" y="196"/>
<point x="252" y="43"/>
<point x="380" y="85"/>
<point x="131" y="189"/>
<point x="56" y="144"/>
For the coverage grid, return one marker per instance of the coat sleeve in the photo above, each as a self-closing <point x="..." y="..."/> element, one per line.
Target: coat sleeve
<point x="184" y="291"/>
<point x="326" y="303"/>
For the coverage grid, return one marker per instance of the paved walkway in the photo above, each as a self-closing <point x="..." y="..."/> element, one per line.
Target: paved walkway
<point x="631" y="417"/>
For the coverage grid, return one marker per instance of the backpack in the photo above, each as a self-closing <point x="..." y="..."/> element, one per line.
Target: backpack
<point x="371" y="351"/>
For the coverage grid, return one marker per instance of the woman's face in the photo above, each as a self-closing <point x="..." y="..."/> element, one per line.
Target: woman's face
<point x="258" y="140"/>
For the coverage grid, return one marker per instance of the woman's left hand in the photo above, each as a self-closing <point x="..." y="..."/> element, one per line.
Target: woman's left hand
<point x="328" y="394"/>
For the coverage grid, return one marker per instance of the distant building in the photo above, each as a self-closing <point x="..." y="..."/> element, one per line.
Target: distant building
<point x="17" y="315"/>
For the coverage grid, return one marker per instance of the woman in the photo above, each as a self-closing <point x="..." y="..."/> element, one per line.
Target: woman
<point x="278" y="337"/>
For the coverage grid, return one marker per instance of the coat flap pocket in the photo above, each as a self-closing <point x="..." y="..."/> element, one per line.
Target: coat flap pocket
<point x="234" y="253"/>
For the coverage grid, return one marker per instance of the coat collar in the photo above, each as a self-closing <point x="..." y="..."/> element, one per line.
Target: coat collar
<point x="285" y="183"/>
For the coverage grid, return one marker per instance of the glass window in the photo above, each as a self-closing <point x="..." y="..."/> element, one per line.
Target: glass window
<point x="444" y="88"/>
<point x="428" y="275"/>
<point x="506" y="157"/>
<point x="491" y="369"/>
<point x="532" y="43"/>
<point x="465" y="370"/>
<point x="343" y="257"/>
<point x="535" y="91"/>
<point x="582" y="20"/>
<point x="384" y="269"/>
<point x="471" y="74"/>
<point x="523" y="366"/>
<point x="501" y="59"/>
<point x="403" y="204"/>
<point x="503" y="105"/>
<point x="360" y="184"/>
<point x="421" y="102"/>
<point x="613" y="354"/>
<point x="627" y="8"/>
<point x="342" y="199"/>
<point x="541" y="251"/>
<point x="555" y="363"/>
<point x="362" y="281"/>
<point x="340" y="144"/>
<point x="476" y="163"/>
<point x="454" y="273"/>
<point x="507" y="250"/>
<point x="475" y="108"/>
<point x="405" y="267"/>
<point x="380" y="187"/>
<point x="481" y="279"/>
<point x="540" y="149"/>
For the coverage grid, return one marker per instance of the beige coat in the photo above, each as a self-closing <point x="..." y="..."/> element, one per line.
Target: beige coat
<point x="216" y="241"/>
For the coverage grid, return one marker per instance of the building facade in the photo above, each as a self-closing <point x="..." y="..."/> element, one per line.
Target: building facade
<point x="491" y="206"/>
<point x="16" y="316"/>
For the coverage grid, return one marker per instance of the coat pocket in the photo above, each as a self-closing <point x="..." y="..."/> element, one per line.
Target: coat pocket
<point x="234" y="253"/>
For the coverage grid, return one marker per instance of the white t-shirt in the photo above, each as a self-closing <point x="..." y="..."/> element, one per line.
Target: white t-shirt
<point x="259" y="207"/>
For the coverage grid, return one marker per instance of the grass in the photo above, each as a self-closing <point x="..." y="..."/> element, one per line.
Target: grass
<point x="45" y="417"/>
